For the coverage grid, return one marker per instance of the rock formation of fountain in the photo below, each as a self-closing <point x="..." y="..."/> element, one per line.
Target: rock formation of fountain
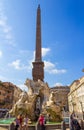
<point x="37" y="100"/>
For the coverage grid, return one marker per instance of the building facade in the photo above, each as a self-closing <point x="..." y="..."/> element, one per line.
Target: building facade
<point x="61" y="96"/>
<point x="76" y="98"/>
<point x="9" y="94"/>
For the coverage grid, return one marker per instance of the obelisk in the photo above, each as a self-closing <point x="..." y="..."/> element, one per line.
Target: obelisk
<point x="38" y="65"/>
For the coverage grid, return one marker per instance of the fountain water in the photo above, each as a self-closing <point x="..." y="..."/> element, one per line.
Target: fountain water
<point x="7" y="115"/>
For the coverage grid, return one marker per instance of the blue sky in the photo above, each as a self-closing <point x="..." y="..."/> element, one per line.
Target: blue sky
<point x="62" y="24"/>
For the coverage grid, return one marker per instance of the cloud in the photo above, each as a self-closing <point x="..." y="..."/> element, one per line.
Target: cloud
<point x="15" y="64"/>
<point x="58" y="84"/>
<point x="45" y="51"/>
<point x="48" y="65"/>
<point x="0" y="54"/>
<point x="20" y="66"/>
<point x="5" y="27"/>
<point x="50" y="68"/>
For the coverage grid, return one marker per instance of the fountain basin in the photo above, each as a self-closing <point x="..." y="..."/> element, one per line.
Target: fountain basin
<point x="7" y="121"/>
<point x="7" y="124"/>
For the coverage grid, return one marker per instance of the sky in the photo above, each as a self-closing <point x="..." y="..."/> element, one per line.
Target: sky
<point x="62" y="28"/>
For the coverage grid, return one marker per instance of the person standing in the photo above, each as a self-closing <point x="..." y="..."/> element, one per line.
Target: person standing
<point x="17" y="123"/>
<point x="25" y="123"/>
<point x="74" y="124"/>
<point x="21" y="121"/>
<point x="71" y="123"/>
<point x="41" y="121"/>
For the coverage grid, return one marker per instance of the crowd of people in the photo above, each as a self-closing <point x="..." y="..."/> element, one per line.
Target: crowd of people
<point x="21" y="122"/>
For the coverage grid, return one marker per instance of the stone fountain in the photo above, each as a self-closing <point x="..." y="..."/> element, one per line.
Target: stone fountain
<point x="37" y="100"/>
